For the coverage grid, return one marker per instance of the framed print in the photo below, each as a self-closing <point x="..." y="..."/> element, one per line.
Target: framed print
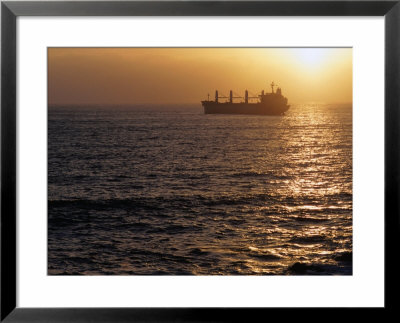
<point x="198" y="161"/>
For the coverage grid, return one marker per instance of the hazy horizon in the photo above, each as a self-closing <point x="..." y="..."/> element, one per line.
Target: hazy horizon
<point x="161" y="105"/>
<point x="154" y="76"/>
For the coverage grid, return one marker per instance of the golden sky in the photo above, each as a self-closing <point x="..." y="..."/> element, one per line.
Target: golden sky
<point x="187" y="75"/>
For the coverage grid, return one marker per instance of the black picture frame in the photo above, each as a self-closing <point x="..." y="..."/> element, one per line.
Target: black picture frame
<point x="10" y="10"/>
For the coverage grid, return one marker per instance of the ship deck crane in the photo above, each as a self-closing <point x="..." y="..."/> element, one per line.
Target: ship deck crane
<point x="234" y="95"/>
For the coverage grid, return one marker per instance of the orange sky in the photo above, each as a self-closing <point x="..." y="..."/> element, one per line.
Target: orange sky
<point x="187" y="75"/>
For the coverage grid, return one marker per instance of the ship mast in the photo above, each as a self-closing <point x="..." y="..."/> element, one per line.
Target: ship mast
<point x="272" y="86"/>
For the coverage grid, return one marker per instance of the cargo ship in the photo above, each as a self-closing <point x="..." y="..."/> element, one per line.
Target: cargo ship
<point x="273" y="103"/>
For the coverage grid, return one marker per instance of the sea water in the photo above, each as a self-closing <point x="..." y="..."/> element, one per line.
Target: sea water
<point x="168" y="190"/>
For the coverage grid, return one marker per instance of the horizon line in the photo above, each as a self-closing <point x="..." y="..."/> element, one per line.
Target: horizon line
<point x="168" y="104"/>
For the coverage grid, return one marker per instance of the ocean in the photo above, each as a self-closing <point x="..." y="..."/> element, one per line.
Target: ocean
<point x="168" y="190"/>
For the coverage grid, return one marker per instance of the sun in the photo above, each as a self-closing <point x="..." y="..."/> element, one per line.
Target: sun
<point x="310" y="57"/>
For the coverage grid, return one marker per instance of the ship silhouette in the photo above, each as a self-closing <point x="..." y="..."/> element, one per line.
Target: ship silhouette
<point x="273" y="103"/>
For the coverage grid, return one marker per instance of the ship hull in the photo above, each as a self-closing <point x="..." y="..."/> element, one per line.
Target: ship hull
<point x="211" y="107"/>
